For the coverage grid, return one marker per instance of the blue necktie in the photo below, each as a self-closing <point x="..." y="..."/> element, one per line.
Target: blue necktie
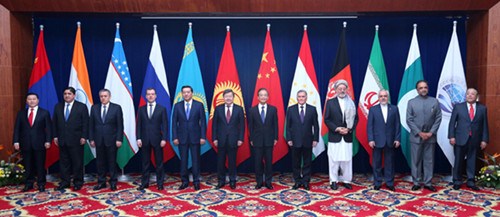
<point x="104" y="114"/>
<point x="263" y="114"/>
<point x="66" y="116"/>
<point x="302" y="114"/>
<point x="187" y="111"/>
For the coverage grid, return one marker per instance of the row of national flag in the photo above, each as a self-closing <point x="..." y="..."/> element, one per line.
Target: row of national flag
<point x="118" y="81"/>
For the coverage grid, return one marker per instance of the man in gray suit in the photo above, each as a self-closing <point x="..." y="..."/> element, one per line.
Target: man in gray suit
<point x="423" y="116"/>
<point x="467" y="131"/>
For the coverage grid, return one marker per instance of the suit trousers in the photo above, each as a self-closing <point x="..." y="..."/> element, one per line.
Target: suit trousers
<point x="301" y="163"/>
<point x="34" y="163"/>
<point x="229" y="152"/>
<point x="469" y="150"/>
<point x="71" y="163"/>
<point x="388" y="152"/>
<point x="263" y="154"/>
<point x="184" y="150"/>
<point x="422" y="162"/>
<point x="106" y="157"/>
<point x="146" y="163"/>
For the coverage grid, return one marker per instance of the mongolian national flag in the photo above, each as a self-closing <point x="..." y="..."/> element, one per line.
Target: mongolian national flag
<point x="118" y="81"/>
<point x="79" y="79"/>
<point x="227" y="78"/>
<point x="42" y="83"/>
<point x="341" y="70"/>
<point x="156" y="78"/>
<point x="190" y="74"/>
<point x="269" y="78"/>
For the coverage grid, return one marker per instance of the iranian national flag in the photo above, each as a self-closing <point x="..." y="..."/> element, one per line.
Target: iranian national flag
<point x="118" y="81"/>
<point x="375" y="80"/>
<point x="413" y="73"/>
<point x="305" y="79"/>
<point x="79" y="79"/>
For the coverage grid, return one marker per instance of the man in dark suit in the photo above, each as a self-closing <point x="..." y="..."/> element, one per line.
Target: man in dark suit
<point x="228" y="130"/>
<point x="189" y="126"/>
<point x="71" y="122"/>
<point x="302" y="133"/>
<point x="32" y="135"/>
<point x="152" y="133"/>
<point x="468" y="130"/>
<point x="106" y="134"/>
<point x="384" y="135"/>
<point x="263" y="129"/>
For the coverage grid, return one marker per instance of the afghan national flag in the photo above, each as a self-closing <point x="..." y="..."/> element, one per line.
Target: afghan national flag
<point x="79" y="79"/>
<point x="227" y="78"/>
<point x="269" y="78"/>
<point x="118" y="81"/>
<point x="375" y="80"/>
<point x="413" y="73"/>
<point x="156" y="78"/>
<point x="305" y="79"/>
<point x="42" y="83"/>
<point x="341" y="70"/>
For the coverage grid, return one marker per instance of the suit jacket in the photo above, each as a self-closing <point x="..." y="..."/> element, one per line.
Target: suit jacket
<point x="70" y="132"/>
<point x="33" y="137"/>
<point x="302" y="134"/>
<point x="384" y="132"/>
<point x="228" y="133"/>
<point x="423" y="115"/>
<point x="263" y="134"/>
<point x="152" y="130"/>
<point x="111" y="130"/>
<point x="334" y="119"/>
<point x="189" y="130"/>
<point x="460" y="124"/>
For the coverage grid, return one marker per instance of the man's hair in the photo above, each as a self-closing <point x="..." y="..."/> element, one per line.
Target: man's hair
<point x="32" y="94"/>
<point x="421" y="81"/>
<point x="71" y="89"/>
<point x="226" y="91"/>
<point x="187" y="86"/>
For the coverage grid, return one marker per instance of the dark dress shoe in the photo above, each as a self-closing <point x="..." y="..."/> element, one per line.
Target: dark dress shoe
<point x="269" y="186"/>
<point x="160" y="187"/>
<point x="197" y="186"/>
<point x="220" y="185"/>
<point x="334" y="186"/>
<point x="376" y="187"/>
<point x="41" y="188"/>
<point x="415" y="188"/>
<point x="306" y="186"/>
<point x="27" y="188"/>
<point x="142" y="187"/>
<point x="183" y="186"/>
<point x="348" y="186"/>
<point x="77" y="188"/>
<point x="296" y="186"/>
<point x="430" y="188"/>
<point x="99" y="187"/>
<point x="258" y="186"/>
<point x="232" y="185"/>
<point x="390" y="187"/>
<point x="473" y="187"/>
<point x="62" y="187"/>
<point x="456" y="187"/>
<point x="112" y="187"/>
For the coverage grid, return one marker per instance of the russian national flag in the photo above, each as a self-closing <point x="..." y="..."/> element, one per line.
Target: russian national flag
<point x="42" y="83"/>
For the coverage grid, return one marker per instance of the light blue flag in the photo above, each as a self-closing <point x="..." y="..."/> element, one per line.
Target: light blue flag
<point x="190" y="74"/>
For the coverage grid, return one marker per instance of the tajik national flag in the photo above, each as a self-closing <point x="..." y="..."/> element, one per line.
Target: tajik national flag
<point x="375" y="80"/>
<point x="79" y="79"/>
<point x="269" y="78"/>
<point x="413" y="73"/>
<point x="451" y="91"/>
<point x="227" y="78"/>
<point x="118" y="81"/>
<point x="305" y="79"/>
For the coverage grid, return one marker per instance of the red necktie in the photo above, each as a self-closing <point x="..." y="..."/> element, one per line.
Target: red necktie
<point x="30" y="117"/>
<point x="471" y="115"/>
<point x="228" y="114"/>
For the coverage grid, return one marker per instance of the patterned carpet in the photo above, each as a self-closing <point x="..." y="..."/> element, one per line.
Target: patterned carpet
<point x="245" y="201"/>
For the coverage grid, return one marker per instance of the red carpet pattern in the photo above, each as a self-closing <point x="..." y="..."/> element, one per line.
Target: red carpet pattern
<point x="362" y="200"/>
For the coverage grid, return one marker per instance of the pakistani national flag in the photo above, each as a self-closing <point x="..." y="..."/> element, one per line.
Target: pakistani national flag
<point x="79" y="79"/>
<point x="413" y="73"/>
<point x="375" y="80"/>
<point x="305" y="79"/>
<point x="118" y="81"/>
<point x="451" y="91"/>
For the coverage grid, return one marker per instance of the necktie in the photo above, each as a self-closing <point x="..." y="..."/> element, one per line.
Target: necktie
<point x="104" y="114"/>
<point x="228" y="114"/>
<point x="150" y="110"/>
<point x="471" y="115"/>
<point x="302" y="114"/>
<point x="30" y="117"/>
<point x="187" y="111"/>
<point x="263" y="114"/>
<point x="66" y="116"/>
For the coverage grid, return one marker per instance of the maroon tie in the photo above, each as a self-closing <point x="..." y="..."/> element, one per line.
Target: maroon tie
<point x="228" y="114"/>
<point x="30" y="117"/>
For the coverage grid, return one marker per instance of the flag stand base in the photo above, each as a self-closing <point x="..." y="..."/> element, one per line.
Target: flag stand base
<point x="408" y="178"/>
<point x="448" y="179"/>
<point x="51" y="178"/>
<point x="88" y="178"/>
<point x="369" y="177"/>
<point x="124" y="178"/>
<point x="152" y="178"/>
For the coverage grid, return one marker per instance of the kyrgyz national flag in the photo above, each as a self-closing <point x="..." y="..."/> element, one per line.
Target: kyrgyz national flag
<point x="413" y="73"/>
<point x="42" y="83"/>
<point x="79" y="79"/>
<point x="156" y="78"/>
<point x="118" y="81"/>
<point x="269" y="78"/>
<point x="305" y="79"/>
<point x="227" y="78"/>
<point x="375" y="80"/>
<point x="341" y="70"/>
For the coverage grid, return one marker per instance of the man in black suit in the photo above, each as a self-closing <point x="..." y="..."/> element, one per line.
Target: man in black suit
<point x="384" y="134"/>
<point x="152" y="133"/>
<point x="263" y="129"/>
<point x="302" y="133"/>
<point x="189" y="126"/>
<point x="71" y="122"/>
<point x="106" y="134"/>
<point x="468" y="131"/>
<point x="32" y="135"/>
<point x="228" y="130"/>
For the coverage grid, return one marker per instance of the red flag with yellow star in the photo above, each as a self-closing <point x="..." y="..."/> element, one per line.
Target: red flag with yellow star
<point x="269" y="78"/>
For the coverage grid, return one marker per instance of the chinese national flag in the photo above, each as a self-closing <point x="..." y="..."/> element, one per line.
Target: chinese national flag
<point x="269" y="78"/>
<point x="227" y="78"/>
